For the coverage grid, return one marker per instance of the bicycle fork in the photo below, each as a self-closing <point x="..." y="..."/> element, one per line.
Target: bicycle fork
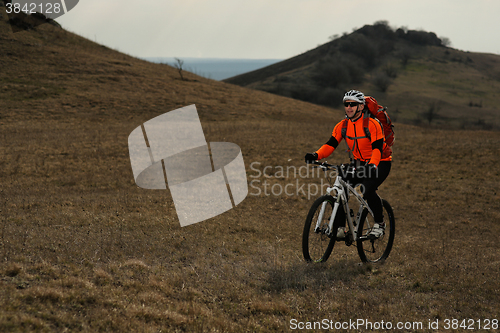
<point x="317" y="229"/>
<point x="336" y="205"/>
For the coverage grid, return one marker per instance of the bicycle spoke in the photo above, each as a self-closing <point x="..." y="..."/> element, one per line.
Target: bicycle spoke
<point x="375" y="250"/>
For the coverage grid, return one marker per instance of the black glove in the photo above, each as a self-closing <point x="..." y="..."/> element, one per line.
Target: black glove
<point x="311" y="157"/>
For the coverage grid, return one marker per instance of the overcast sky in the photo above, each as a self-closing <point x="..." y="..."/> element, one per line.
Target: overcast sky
<point x="271" y="29"/>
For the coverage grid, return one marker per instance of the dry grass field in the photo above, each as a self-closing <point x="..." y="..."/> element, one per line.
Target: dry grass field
<point x="83" y="249"/>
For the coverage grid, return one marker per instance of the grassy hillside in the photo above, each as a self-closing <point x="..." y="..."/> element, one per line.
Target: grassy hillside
<point x="83" y="249"/>
<point x="422" y="81"/>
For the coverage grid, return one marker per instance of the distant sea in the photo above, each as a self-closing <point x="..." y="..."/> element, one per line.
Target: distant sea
<point x="216" y="68"/>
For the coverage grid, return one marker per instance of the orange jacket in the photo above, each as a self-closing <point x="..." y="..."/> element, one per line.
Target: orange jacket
<point x="362" y="148"/>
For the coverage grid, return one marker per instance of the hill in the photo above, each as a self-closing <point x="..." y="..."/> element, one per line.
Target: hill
<point x="84" y="249"/>
<point x="53" y="81"/>
<point x="421" y="80"/>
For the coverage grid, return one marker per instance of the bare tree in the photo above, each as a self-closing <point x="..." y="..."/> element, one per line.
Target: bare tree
<point x="445" y="41"/>
<point x="405" y="56"/>
<point x="432" y="112"/>
<point x="179" y="65"/>
<point x="390" y="70"/>
<point x="382" y="81"/>
<point x="333" y="37"/>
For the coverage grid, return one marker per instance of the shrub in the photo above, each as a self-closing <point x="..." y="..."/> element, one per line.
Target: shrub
<point x="390" y="70"/>
<point x="381" y="81"/>
<point x="303" y="93"/>
<point x="362" y="47"/>
<point x="337" y="71"/>
<point x="330" y="72"/>
<point x="330" y="97"/>
<point x="405" y="55"/>
<point x="379" y="30"/>
<point x="422" y="38"/>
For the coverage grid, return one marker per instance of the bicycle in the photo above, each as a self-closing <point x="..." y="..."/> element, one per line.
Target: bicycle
<point x="331" y="211"/>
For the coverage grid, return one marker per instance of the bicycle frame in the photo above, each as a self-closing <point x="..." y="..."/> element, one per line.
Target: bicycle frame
<point x="341" y="191"/>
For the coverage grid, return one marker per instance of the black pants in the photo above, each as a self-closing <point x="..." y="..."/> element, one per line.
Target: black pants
<point x="370" y="182"/>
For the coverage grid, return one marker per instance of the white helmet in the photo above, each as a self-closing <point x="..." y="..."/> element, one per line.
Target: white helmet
<point x="354" y="95"/>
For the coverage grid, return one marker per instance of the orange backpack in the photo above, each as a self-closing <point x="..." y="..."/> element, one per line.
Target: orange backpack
<point x="378" y="112"/>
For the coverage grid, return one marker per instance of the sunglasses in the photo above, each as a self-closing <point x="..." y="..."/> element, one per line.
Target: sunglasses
<point x="346" y="104"/>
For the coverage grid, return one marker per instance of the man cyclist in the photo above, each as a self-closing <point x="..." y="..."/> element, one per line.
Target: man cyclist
<point x="373" y="166"/>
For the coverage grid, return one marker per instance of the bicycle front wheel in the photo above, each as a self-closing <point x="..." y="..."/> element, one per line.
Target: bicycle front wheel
<point x="316" y="244"/>
<point x="378" y="249"/>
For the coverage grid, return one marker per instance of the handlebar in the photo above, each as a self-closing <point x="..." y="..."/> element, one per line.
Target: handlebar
<point x="324" y="165"/>
<point x="346" y="168"/>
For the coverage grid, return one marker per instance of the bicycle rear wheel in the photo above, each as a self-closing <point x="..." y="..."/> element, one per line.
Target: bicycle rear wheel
<point x="376" y="250"/>
<point x="316" y="244"/>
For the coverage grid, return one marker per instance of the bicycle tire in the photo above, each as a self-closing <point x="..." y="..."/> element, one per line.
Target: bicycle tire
<point x="317" y="246"/>
<point x="376" y="250"/>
